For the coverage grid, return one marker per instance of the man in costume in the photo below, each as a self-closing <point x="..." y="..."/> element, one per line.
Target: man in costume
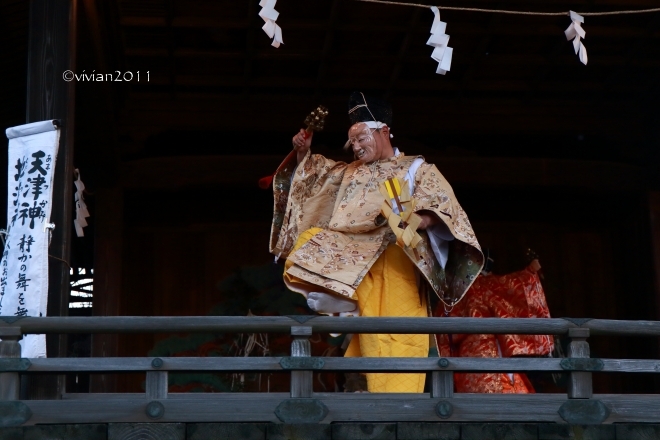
<point x="372" y="237"/>
<point x="515" y="295"/>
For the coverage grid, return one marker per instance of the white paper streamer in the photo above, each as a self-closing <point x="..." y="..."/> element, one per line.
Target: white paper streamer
<point x="24" y="266"/>
<point x="575" y="32"/>
<point x="81" y="208"/>
<point x="439" y="40"/>
<point x="269" y="15"/>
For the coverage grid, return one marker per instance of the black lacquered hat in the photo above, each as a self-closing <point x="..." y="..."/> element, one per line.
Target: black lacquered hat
<point x="363" y="108"/>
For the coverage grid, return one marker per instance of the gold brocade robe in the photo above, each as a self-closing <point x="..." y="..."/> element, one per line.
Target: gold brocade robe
<point x="344" y="201"/>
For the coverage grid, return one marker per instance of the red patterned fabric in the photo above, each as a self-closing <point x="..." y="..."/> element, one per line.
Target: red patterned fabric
<point x="515" y="295"/>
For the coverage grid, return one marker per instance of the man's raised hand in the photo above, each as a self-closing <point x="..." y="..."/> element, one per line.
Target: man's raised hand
<point x="302" y="142"/>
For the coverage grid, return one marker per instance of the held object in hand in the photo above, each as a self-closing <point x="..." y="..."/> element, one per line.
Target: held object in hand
<point x="315" y="121"/>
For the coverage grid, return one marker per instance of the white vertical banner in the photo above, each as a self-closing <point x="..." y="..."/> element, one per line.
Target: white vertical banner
<point x="24" y="266"/>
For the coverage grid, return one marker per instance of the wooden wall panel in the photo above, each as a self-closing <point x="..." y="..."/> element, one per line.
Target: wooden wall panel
<point x="576" y="265"/>
<point x="654" y="205"/>
<point x="176" y="272"/>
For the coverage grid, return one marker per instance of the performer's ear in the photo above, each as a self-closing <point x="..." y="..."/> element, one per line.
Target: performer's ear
<point x="385" y="130"/>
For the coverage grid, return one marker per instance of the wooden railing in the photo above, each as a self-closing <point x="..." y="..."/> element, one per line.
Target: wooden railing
<point x="578" y="406"/>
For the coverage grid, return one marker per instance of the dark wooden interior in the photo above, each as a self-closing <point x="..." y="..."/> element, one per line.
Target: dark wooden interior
<point x="542" y="151"/>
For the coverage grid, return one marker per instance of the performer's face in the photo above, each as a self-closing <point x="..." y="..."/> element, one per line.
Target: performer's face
<point x="365" y="142"/>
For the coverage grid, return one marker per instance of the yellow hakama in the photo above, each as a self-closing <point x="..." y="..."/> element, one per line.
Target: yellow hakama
<point x="389" y="289"/>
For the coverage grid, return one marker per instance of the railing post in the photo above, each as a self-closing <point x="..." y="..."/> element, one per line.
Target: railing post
<point x="10" y="383"/>
<point x="301" y="381"/>
<point x="580" y="384"/>
<point x="442" y="382"/>
<point x="156" y="383"/>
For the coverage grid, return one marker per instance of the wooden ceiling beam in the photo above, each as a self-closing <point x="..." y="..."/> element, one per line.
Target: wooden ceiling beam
<point x="479" y="54"/>
<point x="476" y="56"/>
<point x="170" y="47"/>
<point x="327" y="47"/>
<point x="249" y="43"/>
<point x="287" y="82"/>
<point x="401" y="55"/>
<point x="635" y="50"/>
<point x="543" y="68"/>
<point x="459" y="28"/>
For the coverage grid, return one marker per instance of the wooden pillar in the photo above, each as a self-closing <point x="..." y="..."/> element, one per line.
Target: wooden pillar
<point x="654" y="222"/>
<point x="654" y="210"/>
<point x="98" y="137"/>
<point x="442" y="382"/>
<point x="52" y="51"/>
<point x="301" y="381"/>
<point x="157" y="382"/>
<point x="10" y="348"/>
<point x="580" y="385"/>
<point x="108" y="250"/>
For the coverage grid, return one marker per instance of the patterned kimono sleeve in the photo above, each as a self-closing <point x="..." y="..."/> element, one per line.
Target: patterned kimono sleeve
<point x="465" y="259"/>
<point x="304" y="196"/>
<point x="433" y="193"/>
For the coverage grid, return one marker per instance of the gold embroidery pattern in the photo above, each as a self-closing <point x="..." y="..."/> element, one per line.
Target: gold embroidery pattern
<point x="344" y="200"/>
<point x="434" y="193"/>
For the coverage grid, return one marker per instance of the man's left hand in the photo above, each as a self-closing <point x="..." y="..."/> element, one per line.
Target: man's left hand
<point x="429" y="218"/>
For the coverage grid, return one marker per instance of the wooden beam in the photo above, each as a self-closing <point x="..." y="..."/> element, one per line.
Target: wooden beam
<point x="635" y="51"/>
<point x="92" y="18"/>
<point x="327" y="324"/>
<point x="52" y="50"/>
<point x="388" y="407"/>
<point x="170" y="48"/>
<point x="286" y="82"/>
<point x="327" y="46"/>
<point x="98" y="141"/>
<point x="401" y="55"/>
<point x="10" y="383"/>
<point x="108" y="258"/>
<point x="480" y="53"/>
<point x="249" y="44"/>
<point x="302" y="382"/>
<point x="543" y="69"/>
<point x="500" y="59"/>
<point x="463" y="27"/>
<point x="363" y="364"/>
<point x="654" y="220"/>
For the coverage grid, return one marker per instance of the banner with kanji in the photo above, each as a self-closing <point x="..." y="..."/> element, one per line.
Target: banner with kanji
<point x="24" y="266"/>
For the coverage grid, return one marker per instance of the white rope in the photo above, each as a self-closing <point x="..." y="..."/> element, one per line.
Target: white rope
<point x="504" y="11"/>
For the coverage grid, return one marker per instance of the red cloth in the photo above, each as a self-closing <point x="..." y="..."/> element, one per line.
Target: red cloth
<point x="516" y="295"/>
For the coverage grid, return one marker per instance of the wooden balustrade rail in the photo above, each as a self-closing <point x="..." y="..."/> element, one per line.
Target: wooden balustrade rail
<point x="325" y="324"/>
<point x="283" y="364"/>
<point x="302" y="405"/>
